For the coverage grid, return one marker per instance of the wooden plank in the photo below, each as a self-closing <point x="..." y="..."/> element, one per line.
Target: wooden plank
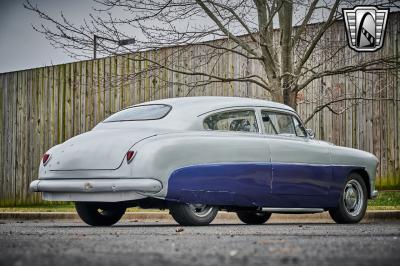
<point x="71" y="100"/>
<point x="124" y="81"/>
<point x="19" y="178"/>
<point x="131" y="77"/>
<point x="397" y="113"/>
<point x="107" y="87"/>
<point x="83" y="96"/>
<point x="89" y="95"/>
<point x="120" y="87"/>
<point x="5" y="189"/>
<point x="14" y="143"/>
<point x="384" y="129"/>
<point x="28" y="197"/>
<point x="138" y="79"/>
<point x="95" y="93"/>
<point x="77" y="98"/>
<point x="2" y="133"/>
<point x="146" y="82"/>
<point x="49" y="116"/>
<point x="23" y="134"/>
<point x="37" y="101"/>
<point x="100" y="90"/>
<point x="6" y="118"/>
<point x="30" y="124"/>
<point x="67" y="102"/>
<point x="113" y="85"/>
<point x="43" y="111"/>
<point x="7" y="184"/>
<point x="61" y="104"/>
<point x="56" y="89"/>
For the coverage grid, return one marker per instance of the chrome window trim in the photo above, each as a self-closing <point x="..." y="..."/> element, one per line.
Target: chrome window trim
<point x="232" y="109"/>
<point x="286" y="112"/>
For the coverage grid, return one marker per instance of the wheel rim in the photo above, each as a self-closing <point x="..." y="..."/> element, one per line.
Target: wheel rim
<point x="353" y="197"/>
<point x="200" y="210"/>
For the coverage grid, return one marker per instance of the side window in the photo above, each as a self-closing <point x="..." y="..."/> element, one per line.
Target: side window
<point x="241" y="120"/>
<point x="300" y="131"/>
<point x="278" y="123"/>
<point x="268" y="125"/>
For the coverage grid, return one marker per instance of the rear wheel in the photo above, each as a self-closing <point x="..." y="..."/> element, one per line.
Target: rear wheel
<point x="353" y="201"/>
<point x="100" y="214"/>
<point x="253" y="217"/>
<point x="193" y="214"/>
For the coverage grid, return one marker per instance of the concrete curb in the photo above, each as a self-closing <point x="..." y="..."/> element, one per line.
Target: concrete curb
<point x="318" y="217"/>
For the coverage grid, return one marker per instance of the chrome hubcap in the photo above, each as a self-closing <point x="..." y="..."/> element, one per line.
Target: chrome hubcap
<point x="353" y="197"/>
<point x="200" y="210"/>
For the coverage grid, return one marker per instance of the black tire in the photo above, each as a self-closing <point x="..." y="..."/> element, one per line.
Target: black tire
<point x="100" y="214"/>
<point x="345" y="212"/>
<point x="193" y="214"/>
<point x="253" y="217"/>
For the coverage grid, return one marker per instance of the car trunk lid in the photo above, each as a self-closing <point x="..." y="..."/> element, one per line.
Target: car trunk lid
<point x="96" y="149"/>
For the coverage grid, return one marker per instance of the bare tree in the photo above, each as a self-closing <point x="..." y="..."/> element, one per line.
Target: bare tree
<point x="273" y="34"/>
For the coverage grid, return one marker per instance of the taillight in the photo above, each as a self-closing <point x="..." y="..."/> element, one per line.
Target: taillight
<point x="129" y="156"/>
<point x="46" y="158"/>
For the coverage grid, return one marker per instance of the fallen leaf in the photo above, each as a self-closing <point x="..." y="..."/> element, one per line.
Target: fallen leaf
<point x="179" y="229"/>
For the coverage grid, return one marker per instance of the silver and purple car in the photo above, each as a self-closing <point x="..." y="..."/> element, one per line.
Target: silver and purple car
<point x="197" y="155"/>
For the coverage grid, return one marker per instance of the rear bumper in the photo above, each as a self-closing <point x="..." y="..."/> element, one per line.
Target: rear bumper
<point x="147" y="185"/>
<point x="374" y="194"/>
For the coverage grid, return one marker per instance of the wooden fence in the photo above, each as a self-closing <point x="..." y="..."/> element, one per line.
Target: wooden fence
<point x="42" y="107"/>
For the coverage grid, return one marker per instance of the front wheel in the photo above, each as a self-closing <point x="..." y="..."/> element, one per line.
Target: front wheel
<point x="253" y="217"/>
<point x="193" y="214"/>
<point x="353" y="201"/>
<point x="100" y="214"/>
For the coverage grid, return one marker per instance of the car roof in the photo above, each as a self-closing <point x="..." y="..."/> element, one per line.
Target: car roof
<point x="187" y="111"/>
<point x="203" y="104"/>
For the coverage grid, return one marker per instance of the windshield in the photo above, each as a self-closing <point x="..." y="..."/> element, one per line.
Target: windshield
<point x="139" y="113"/>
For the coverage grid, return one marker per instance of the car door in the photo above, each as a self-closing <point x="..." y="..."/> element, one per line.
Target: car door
<point x="244" y="173"/>
<point x="300" y="165"/>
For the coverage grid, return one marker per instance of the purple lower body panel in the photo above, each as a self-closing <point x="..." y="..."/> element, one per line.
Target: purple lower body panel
<point x="259" y="184"/>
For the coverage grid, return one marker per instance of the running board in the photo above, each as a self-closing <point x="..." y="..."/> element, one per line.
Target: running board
<point x="292" y="210"/>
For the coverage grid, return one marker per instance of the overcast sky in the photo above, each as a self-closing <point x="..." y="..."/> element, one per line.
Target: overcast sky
<point x="20" y="46"/>
<point x="23" y="48"/>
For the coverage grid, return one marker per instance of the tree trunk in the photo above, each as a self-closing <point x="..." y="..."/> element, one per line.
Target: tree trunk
<point x="277" y="97"/>
<point x="290" y="98"/>
<point x="284" y="94"/>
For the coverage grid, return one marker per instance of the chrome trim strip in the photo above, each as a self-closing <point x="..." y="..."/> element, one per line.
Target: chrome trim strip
<point x="292" y="210"/>
<point x="96" y="185"/>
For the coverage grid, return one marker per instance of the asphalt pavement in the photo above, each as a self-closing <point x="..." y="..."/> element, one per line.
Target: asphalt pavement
<point x="133" y="242"/>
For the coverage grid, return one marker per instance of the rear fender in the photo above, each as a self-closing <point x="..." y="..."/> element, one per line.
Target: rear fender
<point x="160" y="156"/>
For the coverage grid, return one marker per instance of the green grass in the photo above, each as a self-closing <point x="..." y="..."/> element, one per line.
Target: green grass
<point x="386" y="200"/>
<point x="61" y="207"/>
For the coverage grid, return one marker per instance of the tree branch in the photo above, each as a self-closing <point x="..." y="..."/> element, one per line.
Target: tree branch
<point x="318" y="36"/>
<point x="244" y="45"/>
<point x="353" y="68"/>
<point x="306" y="19"/>
<point x="328" y="105"/>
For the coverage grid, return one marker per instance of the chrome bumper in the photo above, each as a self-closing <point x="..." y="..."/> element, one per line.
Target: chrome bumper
<point x="96" y="185"/>
<point x="374" y="194"/>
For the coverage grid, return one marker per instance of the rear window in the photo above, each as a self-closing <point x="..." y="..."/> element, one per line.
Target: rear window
<point x="142" y="112"/>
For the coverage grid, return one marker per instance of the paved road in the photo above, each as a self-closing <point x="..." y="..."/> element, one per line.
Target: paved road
<point x="158" y="243"/>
